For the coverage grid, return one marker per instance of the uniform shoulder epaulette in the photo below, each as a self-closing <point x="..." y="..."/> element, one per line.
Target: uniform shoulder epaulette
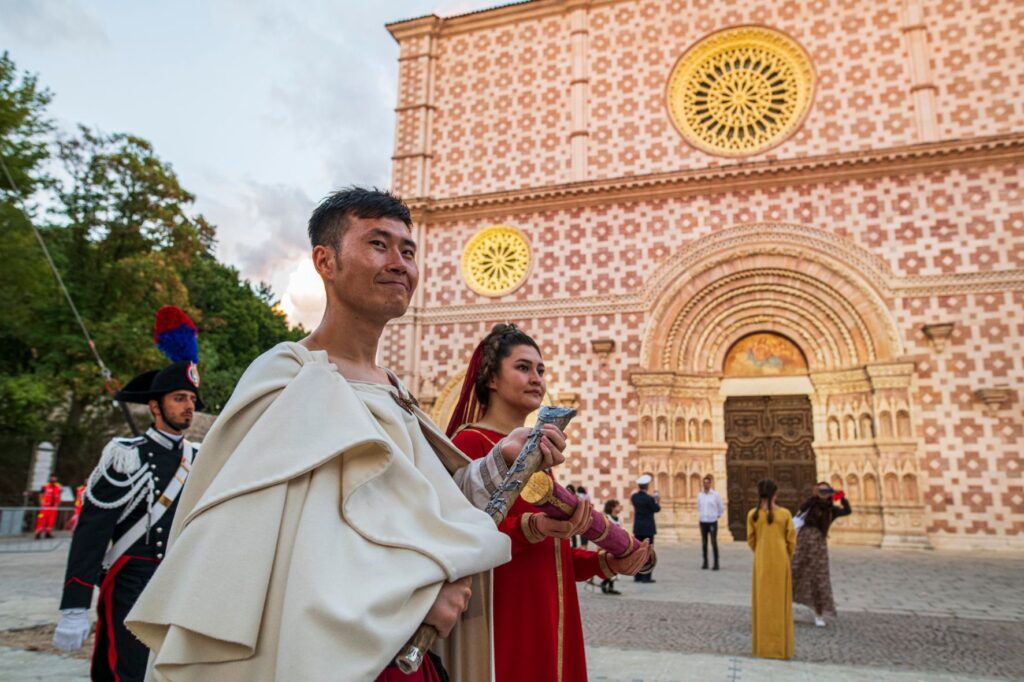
<point x="122" y="455"/>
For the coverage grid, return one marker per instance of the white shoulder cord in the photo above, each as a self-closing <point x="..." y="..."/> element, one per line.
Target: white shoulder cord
<point x="135" y="482"/>
<point x="147" y="483"/>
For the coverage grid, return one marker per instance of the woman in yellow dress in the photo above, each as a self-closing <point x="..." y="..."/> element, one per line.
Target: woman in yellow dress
<point x="771" y="536"/>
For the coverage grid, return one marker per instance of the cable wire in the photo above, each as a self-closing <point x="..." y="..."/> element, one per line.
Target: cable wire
<point x="107" y="375"/>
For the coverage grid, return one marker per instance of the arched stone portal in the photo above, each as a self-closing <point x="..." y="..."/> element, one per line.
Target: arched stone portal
<point x="830" y="298"/>
<point x="767" y="435"/>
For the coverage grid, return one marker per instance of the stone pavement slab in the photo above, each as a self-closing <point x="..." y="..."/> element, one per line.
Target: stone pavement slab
<point x="863" y="640"/>
<point x="17" y="665"/>
<point x="977" y="585"/>
<point x="607" y="664"/>
<point x="31" y="579"/>
<point x="903" y="616"/>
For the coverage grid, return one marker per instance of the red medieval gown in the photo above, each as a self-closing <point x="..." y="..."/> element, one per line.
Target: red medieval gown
<point x="535" y="593"/>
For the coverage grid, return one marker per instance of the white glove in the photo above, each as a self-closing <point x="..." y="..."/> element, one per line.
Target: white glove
<point x="72" y="630"/>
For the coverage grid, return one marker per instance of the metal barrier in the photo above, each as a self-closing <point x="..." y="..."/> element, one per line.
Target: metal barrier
<point x="17" y="530"/>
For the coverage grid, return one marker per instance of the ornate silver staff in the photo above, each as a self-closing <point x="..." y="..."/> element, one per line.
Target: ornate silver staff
<point x="525" y="465"/>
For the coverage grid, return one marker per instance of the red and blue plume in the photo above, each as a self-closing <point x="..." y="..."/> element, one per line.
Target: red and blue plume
<point x="176" y="335"/>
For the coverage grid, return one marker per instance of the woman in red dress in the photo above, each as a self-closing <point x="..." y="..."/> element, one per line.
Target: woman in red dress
<point x="537" y="629"/>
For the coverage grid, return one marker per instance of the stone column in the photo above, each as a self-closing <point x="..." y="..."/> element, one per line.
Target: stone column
<point x="654" y="447"/>
<point x="903" y="515"/>
<point x="922" y="87"/>
<point x="410" y="177"/>
<point x="845" y="449"/>
<point x="410" y="173"/>
<point x="578" y="90"/>
<point x="674" y="456"/>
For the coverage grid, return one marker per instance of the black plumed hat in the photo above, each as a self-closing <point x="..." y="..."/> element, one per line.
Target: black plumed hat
<point x="179" y="376"/>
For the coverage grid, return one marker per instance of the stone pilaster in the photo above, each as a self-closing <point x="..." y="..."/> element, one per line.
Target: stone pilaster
<point x="410" y="173"/>
<point x="678" y="444"/>
<point x="845" y="451"/>
<point x="922" y="86"/>
<point x="903" y="512"/>
<point x="578" y="92"/>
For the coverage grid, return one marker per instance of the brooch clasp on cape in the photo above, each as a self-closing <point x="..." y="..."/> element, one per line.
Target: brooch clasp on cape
<point x="405" y="402"/>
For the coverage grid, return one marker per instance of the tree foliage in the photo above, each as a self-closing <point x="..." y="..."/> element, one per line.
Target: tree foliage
<point x="123" y="234"/>
<point x="23" y="127"/>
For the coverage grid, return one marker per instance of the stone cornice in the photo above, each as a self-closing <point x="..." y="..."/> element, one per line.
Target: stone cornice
<point x="412" y="28"/>
<point x="944" y="285"/>
<point x="732" y="177"/>
<point x="590" y="305"/>
<point x="961" y="283"/>
<point x="501" y="15"/>
<point x="480" y="19"/>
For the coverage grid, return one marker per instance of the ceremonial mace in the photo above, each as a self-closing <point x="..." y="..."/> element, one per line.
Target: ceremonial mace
<point x="526" y="464"/>
<point x="558" y="503"/>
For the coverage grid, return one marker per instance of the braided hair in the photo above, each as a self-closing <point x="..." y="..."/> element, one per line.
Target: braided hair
<point x="497" y="346"/>
<point x="766" y="490"/>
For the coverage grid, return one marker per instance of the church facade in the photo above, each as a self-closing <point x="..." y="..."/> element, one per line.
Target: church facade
<point x="753" y="238"/>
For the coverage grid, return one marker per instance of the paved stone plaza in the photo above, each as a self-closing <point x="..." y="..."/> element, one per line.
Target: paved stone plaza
<point x="902" y="616"/>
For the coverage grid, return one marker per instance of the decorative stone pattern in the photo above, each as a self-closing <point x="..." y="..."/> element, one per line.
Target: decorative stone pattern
<point x="978" y="67"/>
<point x="851" y="265"/>
<point x="502" y="118"/>
<point x="740" y="91"/>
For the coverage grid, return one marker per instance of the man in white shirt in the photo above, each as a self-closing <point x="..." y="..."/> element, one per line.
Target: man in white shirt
<point x="709" y="509"/>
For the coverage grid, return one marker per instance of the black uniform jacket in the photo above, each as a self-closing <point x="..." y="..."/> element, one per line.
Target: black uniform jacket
<point x="98" y="527"/>
<point x="644" y="509"/>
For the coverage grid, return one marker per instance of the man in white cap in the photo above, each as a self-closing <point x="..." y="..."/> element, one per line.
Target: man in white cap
<point x="645" y="506"/>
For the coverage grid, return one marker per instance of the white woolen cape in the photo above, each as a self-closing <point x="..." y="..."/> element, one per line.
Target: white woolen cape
<point x="307" y="547"/>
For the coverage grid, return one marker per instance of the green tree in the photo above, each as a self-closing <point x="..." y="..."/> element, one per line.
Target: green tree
<point x="121" y="237"/>
<point x="123" y="234"/>
<point x="24" y="127"/>
<point x="236" y="323"/>
<point x="26" y="398"/>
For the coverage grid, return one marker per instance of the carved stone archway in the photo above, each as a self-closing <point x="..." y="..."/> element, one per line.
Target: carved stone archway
<point x="833" y="300"/>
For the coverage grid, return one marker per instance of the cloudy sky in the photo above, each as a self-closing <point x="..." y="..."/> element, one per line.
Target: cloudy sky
<point x="262" y="107"/>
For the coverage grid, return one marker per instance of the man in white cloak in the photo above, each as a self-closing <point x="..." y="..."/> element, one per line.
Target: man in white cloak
<point x="327" y="517"/>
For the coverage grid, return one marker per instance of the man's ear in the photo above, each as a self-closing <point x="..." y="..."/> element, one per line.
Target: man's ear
<point x="154" y="408"/>
<point x="325" y="261"/>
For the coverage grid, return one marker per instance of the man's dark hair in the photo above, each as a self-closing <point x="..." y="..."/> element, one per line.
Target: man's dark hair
<point x="329" y="220"/>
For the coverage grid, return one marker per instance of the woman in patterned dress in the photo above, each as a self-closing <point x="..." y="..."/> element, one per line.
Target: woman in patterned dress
<point x="812" y="583"/>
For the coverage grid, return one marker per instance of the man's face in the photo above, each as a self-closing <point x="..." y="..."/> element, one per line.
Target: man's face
<point x="178" y="409"/>
<point x="374" y="272"/>
<point x="707" y="485"/>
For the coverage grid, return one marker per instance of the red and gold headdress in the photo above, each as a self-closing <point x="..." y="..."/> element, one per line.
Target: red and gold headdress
<point x="468" y="410"/>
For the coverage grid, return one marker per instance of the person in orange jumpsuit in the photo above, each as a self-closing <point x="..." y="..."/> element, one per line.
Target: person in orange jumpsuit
<point x="535" y="593"/>
<point x="49" y="500"/>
